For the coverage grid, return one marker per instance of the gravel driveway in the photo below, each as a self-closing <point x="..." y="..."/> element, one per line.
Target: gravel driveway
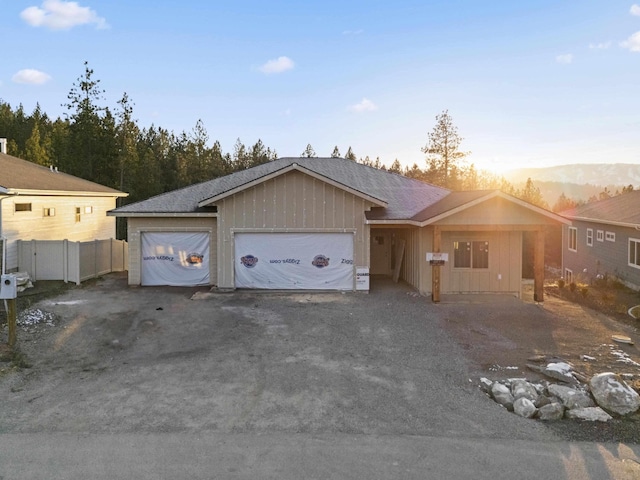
<point x="124" y="360"/>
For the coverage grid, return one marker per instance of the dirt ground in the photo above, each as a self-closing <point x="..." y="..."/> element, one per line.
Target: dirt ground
<point x="120" y="359"/>
<point x="503" y="346"/>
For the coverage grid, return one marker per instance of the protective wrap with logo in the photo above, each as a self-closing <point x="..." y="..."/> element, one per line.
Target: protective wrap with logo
<point x="175" y="258"/>
<point x="314" y="261"/>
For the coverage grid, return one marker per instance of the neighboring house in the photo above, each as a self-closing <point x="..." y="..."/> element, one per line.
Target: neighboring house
<point x="603" y="240"/>
<point x="40" y="203"/>
<point x="317" y="223"/>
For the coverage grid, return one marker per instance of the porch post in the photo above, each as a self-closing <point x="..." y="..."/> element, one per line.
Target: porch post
<point x="538" y="266"/>
<point x="435" y="269"/>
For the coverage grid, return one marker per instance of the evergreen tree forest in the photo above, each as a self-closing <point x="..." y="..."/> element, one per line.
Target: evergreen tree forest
<point x="106" y="145"/>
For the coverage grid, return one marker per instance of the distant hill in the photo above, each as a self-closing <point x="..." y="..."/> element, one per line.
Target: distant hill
<point x="578" y="181"/>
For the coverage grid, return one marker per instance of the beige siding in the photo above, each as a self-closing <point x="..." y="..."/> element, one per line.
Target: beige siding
<point x="292" y="202"/>
<point x="497" y="211"/>
<point x="138" y="225"/>
<point x="33" y="225"/>
<point x="505" y="264"/>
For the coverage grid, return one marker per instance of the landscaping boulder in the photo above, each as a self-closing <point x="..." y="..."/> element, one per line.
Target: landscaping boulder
<point x="593" y="414"/>
<point x="524" y="407"/>
<point x="502" y="395"/>
<point x="571" y="397"/>
<point x="551" y="411"/>
<point x="523" y="389"/>
<point x="613" y="394"/>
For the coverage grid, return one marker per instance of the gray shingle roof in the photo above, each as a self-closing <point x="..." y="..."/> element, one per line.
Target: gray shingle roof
<point x="621" y="209"/>
<point x="405" y="197"/>
<point x="19" y="175"/>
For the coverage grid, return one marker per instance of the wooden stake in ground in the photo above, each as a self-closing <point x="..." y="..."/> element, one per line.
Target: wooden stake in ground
<point x="11" y="321"/>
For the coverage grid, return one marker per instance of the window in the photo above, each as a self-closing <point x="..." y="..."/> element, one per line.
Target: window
<point x="634" y="252"/>
<point x="22" y="207"/>
<point x="88" y="209"/>
<point x="610" y="236"/>
<point x="568" y="276"/>
<point x="78" y="210"/>
<point x="590" y="237"/>
<point x="600" y="235"/>
<point x="471" y="254"/>
<point x="573" y="239"/>
<point x="49" y="212"/>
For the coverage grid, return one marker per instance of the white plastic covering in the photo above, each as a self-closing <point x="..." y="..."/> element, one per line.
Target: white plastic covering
<point x="175" y="258"/>
<point x="300" y="261"/>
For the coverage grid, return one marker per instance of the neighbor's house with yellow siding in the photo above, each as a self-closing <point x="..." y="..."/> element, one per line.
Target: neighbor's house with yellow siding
<point x="40" y="203"/>
<point x="323" y="223"/>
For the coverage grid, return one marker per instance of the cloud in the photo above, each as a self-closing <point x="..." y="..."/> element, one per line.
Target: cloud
<point x="632" y="43"/>
<point x="566" y="58"/>
<point x="353" y="32"/>
<point x="61" y="15"/>
<point x="635" y="10"/>
<point x="278" y="65"/>
<point x="600" y="46"/>
<point x="31" y="77"/>
<point x="365" y="105"/>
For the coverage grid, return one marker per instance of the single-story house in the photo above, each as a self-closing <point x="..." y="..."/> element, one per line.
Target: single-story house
<point x="329" y="223"/>
<point x="603" y="240"/>
<point x="40" y="203"/>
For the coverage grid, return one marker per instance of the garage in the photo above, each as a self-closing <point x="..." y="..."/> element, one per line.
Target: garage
<point x="294" y="261"/>
<point x="175" y="258"/>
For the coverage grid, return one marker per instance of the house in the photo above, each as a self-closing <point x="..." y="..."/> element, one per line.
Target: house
<point x="40" y="203"/>
<point x="603" y="241"/>
<point x="326" y="223"/>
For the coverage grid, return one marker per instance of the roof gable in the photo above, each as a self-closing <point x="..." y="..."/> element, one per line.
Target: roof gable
<point x="21" y="176"/>
<point x="289" y="168"/>
<point x="403" y="196"/>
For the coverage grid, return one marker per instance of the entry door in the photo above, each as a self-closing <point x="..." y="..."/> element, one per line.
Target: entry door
<point x="380" y="253"/>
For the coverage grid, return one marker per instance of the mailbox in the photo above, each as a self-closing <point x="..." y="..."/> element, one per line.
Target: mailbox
<point x="8" y="287"/>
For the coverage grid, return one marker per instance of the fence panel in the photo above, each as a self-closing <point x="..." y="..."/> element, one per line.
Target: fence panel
<point x="71" y="261"/>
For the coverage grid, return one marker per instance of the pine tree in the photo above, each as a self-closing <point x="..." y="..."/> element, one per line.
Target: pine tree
<point x="443" y="152"/>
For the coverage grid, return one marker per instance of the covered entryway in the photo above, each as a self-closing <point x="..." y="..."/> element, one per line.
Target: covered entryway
<point x="297" y="261"/>
<point x="175" y="258"/>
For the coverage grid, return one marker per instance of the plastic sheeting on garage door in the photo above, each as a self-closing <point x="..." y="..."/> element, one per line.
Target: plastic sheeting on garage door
<point x="175" y="258"/>
<point x="316" y="261"/>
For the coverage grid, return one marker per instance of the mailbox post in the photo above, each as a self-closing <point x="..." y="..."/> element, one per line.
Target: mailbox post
<point x="9" y="292"/>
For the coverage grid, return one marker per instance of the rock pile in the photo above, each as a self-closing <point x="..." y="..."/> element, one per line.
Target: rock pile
<point x="604" y="395"/>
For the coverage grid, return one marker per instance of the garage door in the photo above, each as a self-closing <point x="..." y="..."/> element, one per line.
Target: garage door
<point x="175" y="258"/>
<point x="317" y="261"/>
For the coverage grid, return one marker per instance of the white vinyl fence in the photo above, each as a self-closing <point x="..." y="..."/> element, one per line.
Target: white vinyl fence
<point x="71" y="261"/>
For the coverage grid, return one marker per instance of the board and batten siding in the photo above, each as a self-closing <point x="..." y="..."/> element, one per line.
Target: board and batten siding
<point x="504" y="274"/>
<point x="63" y="225"/>
<point x="293" y="202"/>
<point x="138" y="225"/>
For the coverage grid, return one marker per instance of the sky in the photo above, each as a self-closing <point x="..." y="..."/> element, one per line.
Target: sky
<point x="527" y="83"/>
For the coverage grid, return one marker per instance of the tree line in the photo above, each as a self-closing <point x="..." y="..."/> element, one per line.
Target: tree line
<point x="107" y="146"/>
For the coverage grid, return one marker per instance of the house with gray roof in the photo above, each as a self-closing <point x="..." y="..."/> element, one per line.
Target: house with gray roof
<point x="40" y="203"/>
<point x="603" y="240"/>
<point x="332" y="224"/>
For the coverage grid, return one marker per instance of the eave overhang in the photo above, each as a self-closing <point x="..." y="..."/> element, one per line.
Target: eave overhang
<point x="62" y="193"/>
<point x="113" y="213"/>
<point x="606" y="222"/>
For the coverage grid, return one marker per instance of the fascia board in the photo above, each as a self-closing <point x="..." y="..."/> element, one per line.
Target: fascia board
<point x="64" y="193"/>
<point x="113" y="213"/>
